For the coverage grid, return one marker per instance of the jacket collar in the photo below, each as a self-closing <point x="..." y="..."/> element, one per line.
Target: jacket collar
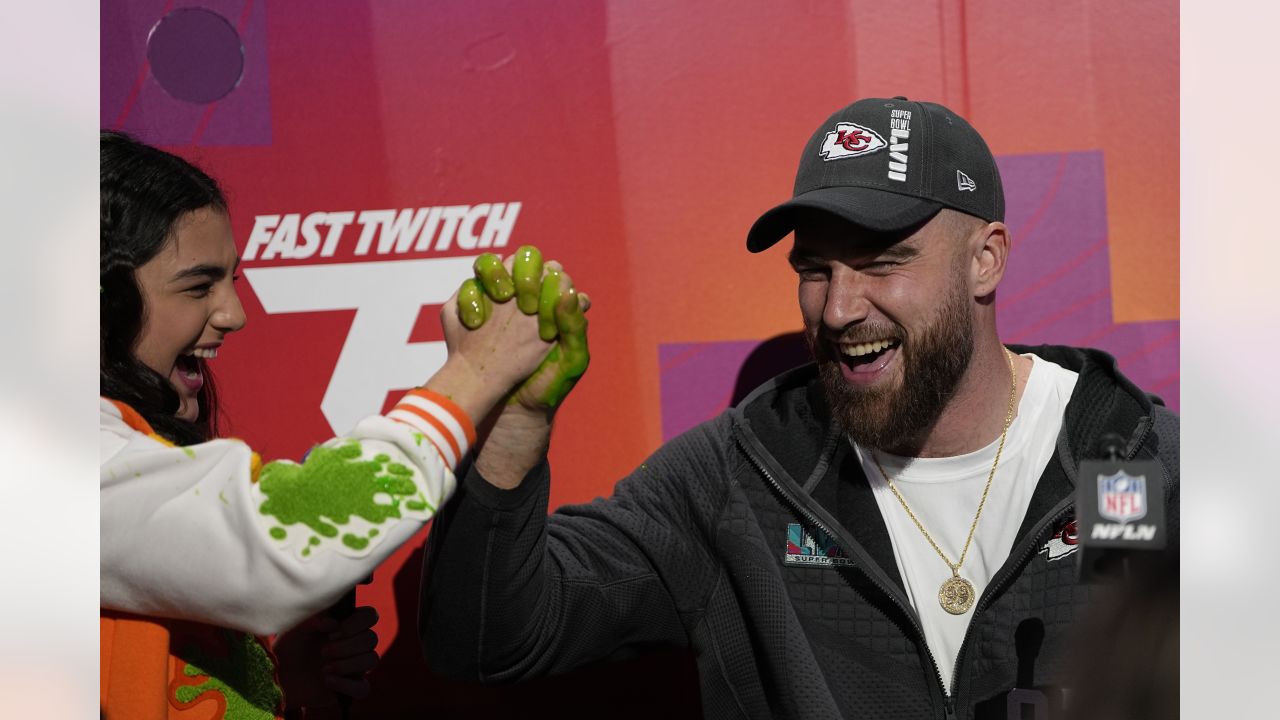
<point x="789" y="416"/>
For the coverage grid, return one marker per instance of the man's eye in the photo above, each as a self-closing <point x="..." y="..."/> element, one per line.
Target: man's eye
<point x="199" y="290"/>
<point x="811" y="273"/>
<point x="880" y="266"/>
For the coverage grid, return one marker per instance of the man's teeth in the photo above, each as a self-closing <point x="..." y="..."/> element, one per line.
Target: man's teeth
<point x="859" y="349"/>
<point x="206" y="353"/>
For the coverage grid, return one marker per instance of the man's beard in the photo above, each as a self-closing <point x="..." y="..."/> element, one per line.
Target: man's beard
<point x="897" y="419"/>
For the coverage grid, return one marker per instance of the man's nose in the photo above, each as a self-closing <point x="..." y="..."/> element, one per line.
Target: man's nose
<point x="847" y="301"/>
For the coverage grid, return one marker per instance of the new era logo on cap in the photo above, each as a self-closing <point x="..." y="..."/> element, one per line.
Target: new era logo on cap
<point x="850" y="140"/>
<point x="917" y="175"/>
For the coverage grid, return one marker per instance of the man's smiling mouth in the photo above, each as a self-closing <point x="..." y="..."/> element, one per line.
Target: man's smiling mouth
<point x="865" y="352"/>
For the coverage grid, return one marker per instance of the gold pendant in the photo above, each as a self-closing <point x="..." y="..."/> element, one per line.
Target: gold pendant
<point x="956" y="595"/>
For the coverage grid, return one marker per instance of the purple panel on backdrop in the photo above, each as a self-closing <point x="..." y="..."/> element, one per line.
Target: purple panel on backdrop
<point x="697" y="380"/>
<point x="172" y="112"/>
<point x="1058" y="287"/>
<point x="1057" y="290"/>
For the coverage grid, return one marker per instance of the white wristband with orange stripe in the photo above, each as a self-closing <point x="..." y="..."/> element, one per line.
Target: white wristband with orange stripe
<point x="439" y="420"/>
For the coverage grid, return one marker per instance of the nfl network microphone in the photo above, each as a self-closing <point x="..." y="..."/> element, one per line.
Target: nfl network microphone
<point x="1120" y="512"/>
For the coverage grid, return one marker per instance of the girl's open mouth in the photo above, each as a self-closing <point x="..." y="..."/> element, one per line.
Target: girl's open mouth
<point x="187" y="372"/>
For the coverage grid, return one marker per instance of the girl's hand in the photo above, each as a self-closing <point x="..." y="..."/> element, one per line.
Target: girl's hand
<point x="323" y="658"/>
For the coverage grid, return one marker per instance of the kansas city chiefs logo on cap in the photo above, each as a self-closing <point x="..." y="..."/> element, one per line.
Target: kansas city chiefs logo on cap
<point x="850" y="140"/>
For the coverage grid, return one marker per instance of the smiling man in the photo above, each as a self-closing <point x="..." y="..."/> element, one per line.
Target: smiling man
<point x="864" y="536"/>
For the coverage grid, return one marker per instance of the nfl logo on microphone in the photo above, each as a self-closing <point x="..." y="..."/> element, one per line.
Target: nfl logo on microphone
<point x="1121" y="505"/>
<point x="1122" y="497"/>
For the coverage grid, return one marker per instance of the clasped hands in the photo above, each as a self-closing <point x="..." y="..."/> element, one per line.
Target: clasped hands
<point x="538" y="341"/>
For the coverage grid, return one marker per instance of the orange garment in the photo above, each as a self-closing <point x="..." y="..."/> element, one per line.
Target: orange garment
<point x="156" y="669"/>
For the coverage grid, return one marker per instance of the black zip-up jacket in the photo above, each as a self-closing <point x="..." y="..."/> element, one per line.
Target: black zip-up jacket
<point x="691" y="550"/>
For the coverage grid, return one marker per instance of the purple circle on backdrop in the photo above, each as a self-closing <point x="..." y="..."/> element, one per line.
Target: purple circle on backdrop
<point x="195" y="55"/>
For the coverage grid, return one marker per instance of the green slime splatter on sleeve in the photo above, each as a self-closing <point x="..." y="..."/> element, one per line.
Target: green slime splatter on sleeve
<point x="333" y="485"/>
<point x="244" y="678"/>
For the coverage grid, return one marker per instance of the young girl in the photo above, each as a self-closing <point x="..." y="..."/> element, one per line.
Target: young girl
<point x="204" y="548"/>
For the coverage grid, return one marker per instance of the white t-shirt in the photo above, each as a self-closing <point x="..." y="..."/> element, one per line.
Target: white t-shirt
<point x="944" y="494"/>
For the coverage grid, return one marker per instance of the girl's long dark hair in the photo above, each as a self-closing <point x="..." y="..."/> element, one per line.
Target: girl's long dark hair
<point x="145" y="191"/>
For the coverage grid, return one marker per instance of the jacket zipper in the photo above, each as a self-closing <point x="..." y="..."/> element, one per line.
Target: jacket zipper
<point x="999" y="582"/>
<point x="948" y="704"/>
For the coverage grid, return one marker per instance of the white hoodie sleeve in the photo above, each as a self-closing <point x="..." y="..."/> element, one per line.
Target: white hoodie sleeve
<point x="205" y="533"/>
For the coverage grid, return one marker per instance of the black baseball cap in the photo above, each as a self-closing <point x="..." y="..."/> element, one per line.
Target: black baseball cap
<point x="888" y="164"/>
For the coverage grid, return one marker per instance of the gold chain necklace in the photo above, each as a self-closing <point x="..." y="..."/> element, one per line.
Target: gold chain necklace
<point x="957" y="594"/>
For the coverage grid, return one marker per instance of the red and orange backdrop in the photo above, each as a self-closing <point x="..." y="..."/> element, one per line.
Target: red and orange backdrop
<point x="370" y="149"/>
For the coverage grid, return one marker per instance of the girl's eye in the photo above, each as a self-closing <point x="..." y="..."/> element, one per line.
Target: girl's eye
<point x="199" y="291"/>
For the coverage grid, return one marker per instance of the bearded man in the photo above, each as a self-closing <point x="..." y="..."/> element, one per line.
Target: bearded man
<point x="860" y="537"/>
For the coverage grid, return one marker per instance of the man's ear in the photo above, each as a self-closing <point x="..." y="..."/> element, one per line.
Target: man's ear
<point x="989" y="246"/>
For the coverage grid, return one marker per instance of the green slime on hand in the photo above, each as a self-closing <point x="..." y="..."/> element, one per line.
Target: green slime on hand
<point x="527" y="272"/>
<point x="333" y="485"/>
<point x="568" y="360"/>
<point x="244" y="678"/>
<point x="548" y="298"/>
<point x="559" y="315"/>
<point x="493" y="277"/>
<point x="474" y="306"/>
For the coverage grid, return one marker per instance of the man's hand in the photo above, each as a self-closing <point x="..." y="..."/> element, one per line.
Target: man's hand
<point x="495" y="344"/>
<point x="322" y="658"/>
<point x="521" y="429"/>
<point x="561" y="318"/>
